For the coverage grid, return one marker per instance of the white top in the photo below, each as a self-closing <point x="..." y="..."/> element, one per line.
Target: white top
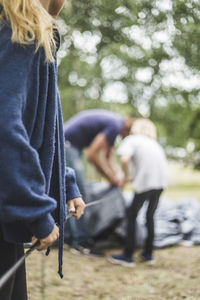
<point x="148" y="162"/>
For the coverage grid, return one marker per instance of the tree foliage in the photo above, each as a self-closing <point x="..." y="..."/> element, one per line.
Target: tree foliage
<point x="136" y="57"/>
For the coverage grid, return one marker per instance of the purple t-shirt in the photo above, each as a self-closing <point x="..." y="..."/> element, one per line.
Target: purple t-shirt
<point x="81" y="129"/>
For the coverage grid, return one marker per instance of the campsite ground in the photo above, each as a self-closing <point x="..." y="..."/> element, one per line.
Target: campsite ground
<point x="174" y="276"/>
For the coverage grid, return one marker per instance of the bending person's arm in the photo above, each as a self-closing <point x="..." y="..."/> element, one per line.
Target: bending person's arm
<point x="99" y="147"/>
<point x="109" y="159"/>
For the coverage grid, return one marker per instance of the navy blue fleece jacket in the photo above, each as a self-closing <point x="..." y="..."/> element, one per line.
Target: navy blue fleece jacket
<point x="32" y="168"/>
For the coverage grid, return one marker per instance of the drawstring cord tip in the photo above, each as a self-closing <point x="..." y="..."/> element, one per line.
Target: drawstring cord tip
<point x="48" y="251"/>
<point x="60" y="272"/>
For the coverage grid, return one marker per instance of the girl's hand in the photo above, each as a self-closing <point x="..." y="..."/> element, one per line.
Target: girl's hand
<point x="76" y="207"/>
<point x="124" y="181"/>
<point x="50" y="239"/>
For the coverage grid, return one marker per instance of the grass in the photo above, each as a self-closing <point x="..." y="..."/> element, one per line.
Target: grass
<point x="175" y="275"/>
<point x="184" y="182"/>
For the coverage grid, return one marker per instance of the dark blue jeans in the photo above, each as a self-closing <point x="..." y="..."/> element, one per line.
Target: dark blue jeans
<point x="15" y="288"/>
<point x="152" y="197"/>
<point x="76" y="229"/>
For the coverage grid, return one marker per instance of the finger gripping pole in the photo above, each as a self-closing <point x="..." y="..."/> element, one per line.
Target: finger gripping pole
<point x="15" y="267"/>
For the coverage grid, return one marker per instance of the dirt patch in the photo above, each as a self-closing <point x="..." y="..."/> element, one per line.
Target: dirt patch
<point x="175" y="276"/>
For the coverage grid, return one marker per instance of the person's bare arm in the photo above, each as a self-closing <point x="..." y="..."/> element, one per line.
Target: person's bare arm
<point x="124" y="161"/>
<point x="99" y="147"/>
<point x="109" y="159"/>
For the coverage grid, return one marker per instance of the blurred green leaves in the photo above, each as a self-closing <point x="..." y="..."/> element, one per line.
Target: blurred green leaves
<point x="135" y="57"/>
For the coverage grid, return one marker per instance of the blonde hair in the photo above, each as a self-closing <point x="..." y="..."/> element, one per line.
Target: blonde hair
<point x="144" y="127"/>
<point x="30" y="24"/>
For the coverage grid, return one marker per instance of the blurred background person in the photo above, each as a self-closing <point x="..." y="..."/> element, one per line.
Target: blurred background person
<point x="96" y="130"/>
<point x="149" y="173"/>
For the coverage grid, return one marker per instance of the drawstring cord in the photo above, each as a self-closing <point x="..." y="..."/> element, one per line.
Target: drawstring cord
<point x="14" y="268"/>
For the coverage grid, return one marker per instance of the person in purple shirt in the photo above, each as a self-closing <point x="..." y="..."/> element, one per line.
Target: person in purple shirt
<point x="94" y="130"/>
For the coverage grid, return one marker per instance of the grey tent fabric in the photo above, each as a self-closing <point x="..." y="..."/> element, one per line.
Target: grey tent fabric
<point x="190" y="225"/>
<point x="104" y="214"/>
<point x="176" y="222"/>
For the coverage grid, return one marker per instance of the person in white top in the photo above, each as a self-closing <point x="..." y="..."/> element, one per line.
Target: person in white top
<point x="141" y="151"/>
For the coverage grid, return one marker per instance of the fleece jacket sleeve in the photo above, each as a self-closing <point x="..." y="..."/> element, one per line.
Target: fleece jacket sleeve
<point x="22" y="183"/>
<point x="72" y="190"/>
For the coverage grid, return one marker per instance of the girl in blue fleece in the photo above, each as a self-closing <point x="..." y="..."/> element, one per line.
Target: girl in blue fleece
<point x="34" y="181"/>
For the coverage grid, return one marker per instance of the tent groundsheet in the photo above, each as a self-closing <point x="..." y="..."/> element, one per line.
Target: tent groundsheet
<point x="176" y="222"/>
